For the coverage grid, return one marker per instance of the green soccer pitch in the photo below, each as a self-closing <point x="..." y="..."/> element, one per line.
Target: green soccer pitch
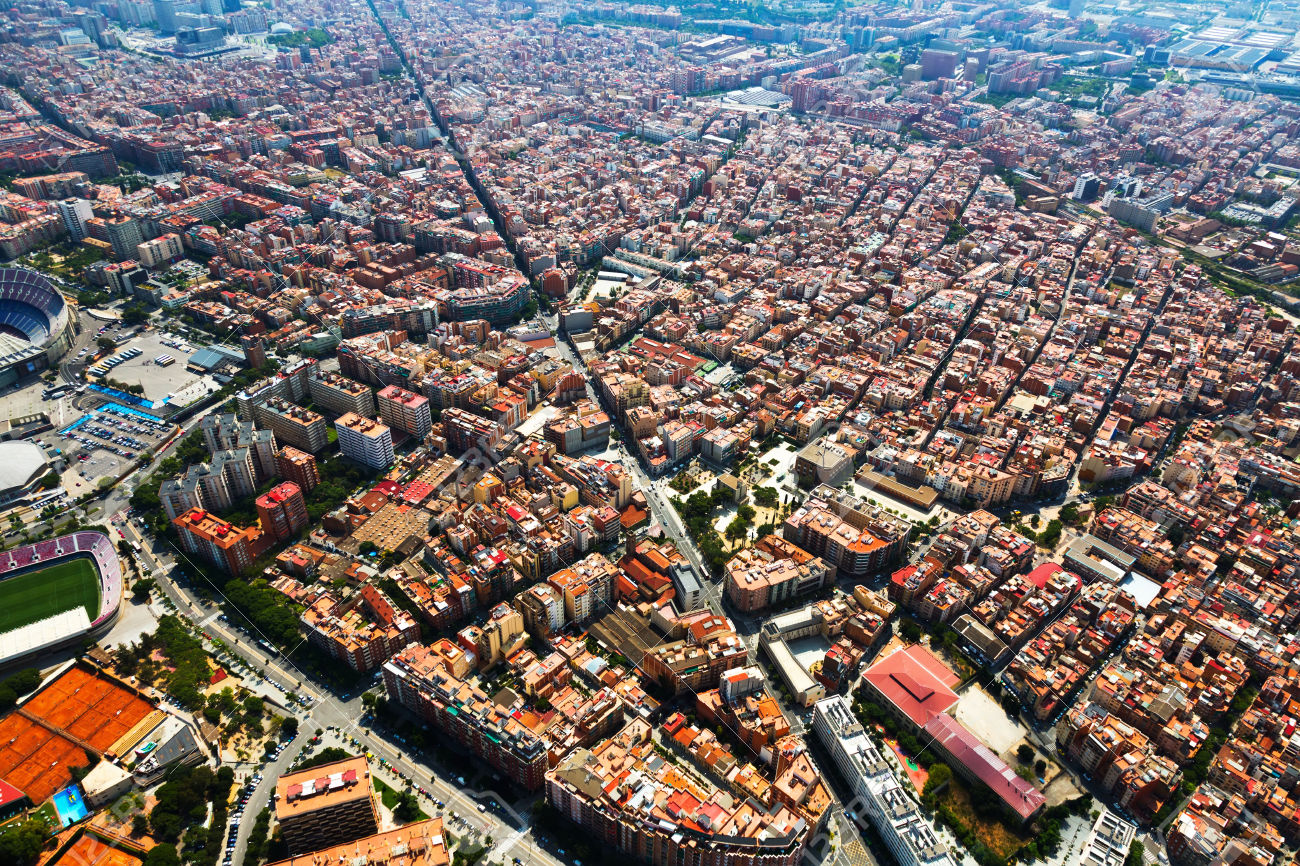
<point x="36" y="595"/>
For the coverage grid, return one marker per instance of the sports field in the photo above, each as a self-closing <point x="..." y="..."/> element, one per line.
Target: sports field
<point x="30" y="597"/>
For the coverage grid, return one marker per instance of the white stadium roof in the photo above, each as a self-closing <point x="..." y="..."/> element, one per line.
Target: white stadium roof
<point x="43" y="634"/>
<point x="20" y="464"/>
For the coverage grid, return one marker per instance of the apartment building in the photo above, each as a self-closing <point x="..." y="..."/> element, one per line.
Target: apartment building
<point x="160" y="251"/>
<point x="363" y="632"/>
<point x="282" y="511"/>
<point x="230" y="548"/>
<point x="365" y="440"/>
<point x="406" y="411"/>
<point x="299" y="467"/>
<point x="587" y="587"/>
<point x="465" y="430"/>
<point x="713" y="827"/>
<point x="697" y="662"/>
<point x="76" y="212"/>
<point x="542" y="607"/>
<point x="745" y="708"/>
<point x="583" y="426"/>
<point x="419" y="679"/>
<point x="851" y="534"/>
<point x="423" y="843"/>
<point x="326" y="806"/>
<point x="292" y="424"/>
<point x="896" y="816"/>
<point x="760" y="576"/>
<point x="1121" y="759"/>
<point x="225" y="432"/>
<point x="216" y="485"/>
<point x="340" y="395"/>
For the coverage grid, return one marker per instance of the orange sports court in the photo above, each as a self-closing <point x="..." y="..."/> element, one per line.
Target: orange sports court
<point x="41" y="742"/>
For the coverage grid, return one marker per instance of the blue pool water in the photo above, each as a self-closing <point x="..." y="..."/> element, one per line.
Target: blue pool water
<point x="70" y="806"/>
<point x="122" y="396"/>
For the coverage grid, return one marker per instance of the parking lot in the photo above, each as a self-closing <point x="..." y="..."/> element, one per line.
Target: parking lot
<point x="104" y="442"/>
<point x="170" y="382"/>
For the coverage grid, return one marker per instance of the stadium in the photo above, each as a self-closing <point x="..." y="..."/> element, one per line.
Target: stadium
<point x="36" y="326"/>
<point x="55" y="593"/>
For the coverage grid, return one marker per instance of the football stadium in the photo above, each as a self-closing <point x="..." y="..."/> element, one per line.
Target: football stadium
<point x="54" y="593"/>
<point x="36" y="326"/>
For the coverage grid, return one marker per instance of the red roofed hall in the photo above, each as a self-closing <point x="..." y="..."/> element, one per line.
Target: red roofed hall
<point x="912" y="684"/>
<point x="976" y="762"/>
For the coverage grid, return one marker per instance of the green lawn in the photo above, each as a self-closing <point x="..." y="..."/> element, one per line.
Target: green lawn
<point x="38" y="594"/>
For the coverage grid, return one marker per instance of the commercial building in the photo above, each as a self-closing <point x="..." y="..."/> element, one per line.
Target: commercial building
<point x="1086" y="187"/>
<point x="326" y="806"/>
<point x="823" y="462"/>
<point x="936" y="63"/>
<point x="365" y="440"/>
<point x="406" y="411"/>
<point x="1093" y="559"/>
<point x="22" y="467"/>
<point x="883" y="800"/>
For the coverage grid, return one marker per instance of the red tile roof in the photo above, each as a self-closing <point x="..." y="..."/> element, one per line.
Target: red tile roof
<point x="1023" y="798"/>
<point x="915" y="681"/>
<point x="1041" y="575"/>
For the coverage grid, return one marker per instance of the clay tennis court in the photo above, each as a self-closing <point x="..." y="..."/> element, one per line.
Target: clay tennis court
<point x="89" y="707"/>
<point x="90" y="851"/>
<point x="37" y="757"/>
<point x="36" y="760"/>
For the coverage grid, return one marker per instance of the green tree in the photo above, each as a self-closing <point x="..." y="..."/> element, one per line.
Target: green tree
<point x="324" y="756"/>
<point x="22" y="841"/>
<point x="939" y="776"/>
<point x="142" y="588"/>
<point x="1024" y="753"/>
<point x="407" y="808"/>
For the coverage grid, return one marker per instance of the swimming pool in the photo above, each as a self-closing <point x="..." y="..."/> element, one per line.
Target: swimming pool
<point x="70" y="806"/>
